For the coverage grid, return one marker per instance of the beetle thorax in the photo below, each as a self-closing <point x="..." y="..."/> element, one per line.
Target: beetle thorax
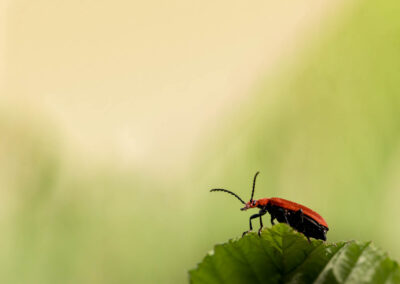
<point x="262" y="202"/>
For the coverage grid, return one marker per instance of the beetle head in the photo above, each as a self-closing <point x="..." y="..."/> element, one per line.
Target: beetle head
<point x="250" y="204"/>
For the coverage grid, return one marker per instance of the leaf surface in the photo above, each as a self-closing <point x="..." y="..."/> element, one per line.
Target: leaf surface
<point x="282" y="255"/>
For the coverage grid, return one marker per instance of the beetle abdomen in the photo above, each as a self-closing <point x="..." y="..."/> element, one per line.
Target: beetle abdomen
<point x="298" y="221"/>
<point x="293" y="206"/>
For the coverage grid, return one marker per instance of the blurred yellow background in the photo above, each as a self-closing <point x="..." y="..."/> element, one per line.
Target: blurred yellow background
<point x="117" y="117"/>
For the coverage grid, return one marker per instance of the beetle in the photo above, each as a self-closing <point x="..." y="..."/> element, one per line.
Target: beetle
<point x="299" y="217"/>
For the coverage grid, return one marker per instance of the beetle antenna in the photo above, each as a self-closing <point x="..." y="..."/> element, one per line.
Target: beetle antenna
<point x="227" y="191"/>
<point x="254" y="185"/>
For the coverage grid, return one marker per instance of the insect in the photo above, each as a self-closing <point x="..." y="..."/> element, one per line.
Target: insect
<point x="299" y="217"/>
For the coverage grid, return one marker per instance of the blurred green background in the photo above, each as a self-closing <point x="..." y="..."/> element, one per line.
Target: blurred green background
<point x="117" y="118"/>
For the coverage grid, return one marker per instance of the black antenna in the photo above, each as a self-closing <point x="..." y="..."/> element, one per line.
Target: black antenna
<point x="254" y="186"/>
<point x="227" y="191"/>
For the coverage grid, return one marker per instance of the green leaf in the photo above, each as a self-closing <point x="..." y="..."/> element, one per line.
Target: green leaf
<point x="282" y="255"/>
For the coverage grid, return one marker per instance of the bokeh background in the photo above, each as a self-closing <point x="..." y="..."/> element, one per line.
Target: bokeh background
<point x="117" y="117"/>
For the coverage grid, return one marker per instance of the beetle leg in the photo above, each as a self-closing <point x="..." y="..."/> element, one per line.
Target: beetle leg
<point x="252" y="217"/>
<point x="261" y="225"/>
<point x="251" y="226"/>
<point x="282" y="216"/>
<point x="299" y="213"/>
<point x="261" y="213"/>
<point x="300" y="224"/>
<point x="285" y="213"/>
<point x="272" y="219"/>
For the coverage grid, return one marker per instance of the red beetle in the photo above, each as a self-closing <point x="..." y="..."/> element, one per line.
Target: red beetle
<point x="299" y="217"/>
